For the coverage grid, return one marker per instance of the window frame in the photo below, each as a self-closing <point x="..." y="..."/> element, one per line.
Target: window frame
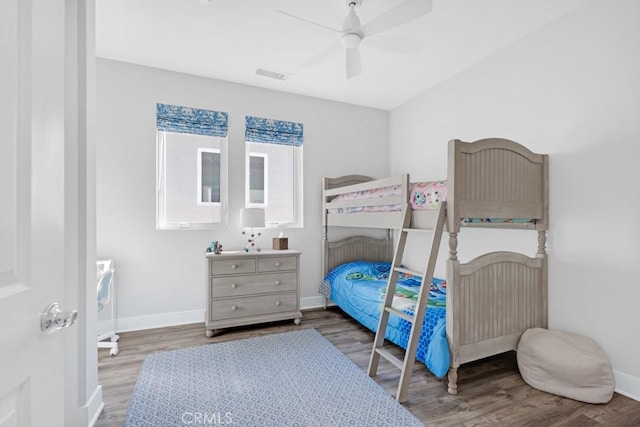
<point x="161" y="188"/>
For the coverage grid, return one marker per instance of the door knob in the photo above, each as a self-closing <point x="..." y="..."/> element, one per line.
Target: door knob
<point x="53" y="318"/>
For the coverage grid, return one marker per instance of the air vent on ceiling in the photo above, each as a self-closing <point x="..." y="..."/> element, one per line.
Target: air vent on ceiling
<point x="272" y="74"/>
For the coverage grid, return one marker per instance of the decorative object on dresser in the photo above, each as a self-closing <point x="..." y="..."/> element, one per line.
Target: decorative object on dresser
<point x="280" y="242"/>
<point x="252" y="218"/>
<point x="245" y="288"/>
<point x="215" y="247"/>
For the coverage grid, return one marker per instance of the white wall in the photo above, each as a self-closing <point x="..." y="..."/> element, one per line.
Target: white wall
<point x="161" y="274"/>
<point x="570" y="90"/>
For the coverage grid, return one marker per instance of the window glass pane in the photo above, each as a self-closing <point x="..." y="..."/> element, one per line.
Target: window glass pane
<point x="256" y="179"/>
<point x="210" y="177"/>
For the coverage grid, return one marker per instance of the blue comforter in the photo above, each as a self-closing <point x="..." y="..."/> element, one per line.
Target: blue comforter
<point x="359" y="288"/>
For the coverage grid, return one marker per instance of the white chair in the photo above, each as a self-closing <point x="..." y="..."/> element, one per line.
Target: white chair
<point x="106" y="300"/>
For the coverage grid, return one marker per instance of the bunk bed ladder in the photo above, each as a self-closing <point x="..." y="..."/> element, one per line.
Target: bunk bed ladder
<point x="406" y="364"/>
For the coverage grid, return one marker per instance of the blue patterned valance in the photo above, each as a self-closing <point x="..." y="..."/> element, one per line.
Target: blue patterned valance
<point x="272" y="131"/>
<point x="173" y="118"/>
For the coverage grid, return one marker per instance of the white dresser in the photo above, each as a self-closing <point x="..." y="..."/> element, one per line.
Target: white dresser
<point x="247" y="288"/>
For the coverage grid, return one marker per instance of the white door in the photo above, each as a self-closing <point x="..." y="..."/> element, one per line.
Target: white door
<point x="33" y="217"/>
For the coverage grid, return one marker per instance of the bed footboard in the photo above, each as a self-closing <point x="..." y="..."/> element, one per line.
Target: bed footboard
<point x="491" y="301"/>
<point x="496" y="178"/>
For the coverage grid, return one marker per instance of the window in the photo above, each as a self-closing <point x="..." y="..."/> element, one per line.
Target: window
<point x="257" y="182"/>
<point x="191" y="168"/>
<point x="273" y="170"/>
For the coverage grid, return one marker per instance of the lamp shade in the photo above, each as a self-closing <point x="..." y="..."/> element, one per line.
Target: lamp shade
<point x="252" y="217"/>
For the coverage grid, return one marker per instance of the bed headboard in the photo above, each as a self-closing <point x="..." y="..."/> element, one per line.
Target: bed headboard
<point x="496" y="178"/>
<point x="356" y="248"/>
<point x="343" y="181"/>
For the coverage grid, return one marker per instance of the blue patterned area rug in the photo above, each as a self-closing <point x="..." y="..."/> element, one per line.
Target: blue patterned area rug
<point x="290" y="379"/>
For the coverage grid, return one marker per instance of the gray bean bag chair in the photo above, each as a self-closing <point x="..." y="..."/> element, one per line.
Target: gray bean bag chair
<point x="565" y="364"/>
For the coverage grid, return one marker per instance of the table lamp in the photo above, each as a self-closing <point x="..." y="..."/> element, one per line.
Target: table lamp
<point x="252" y="218"/>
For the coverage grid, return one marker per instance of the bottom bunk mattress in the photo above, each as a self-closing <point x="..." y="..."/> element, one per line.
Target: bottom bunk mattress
<point x="359" y="288"/>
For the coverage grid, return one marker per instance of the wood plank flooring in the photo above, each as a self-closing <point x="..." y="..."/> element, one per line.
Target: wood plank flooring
<point x="490" y="391"/>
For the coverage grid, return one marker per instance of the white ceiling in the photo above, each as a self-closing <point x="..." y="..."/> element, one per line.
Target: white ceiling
<point x="230" y="39"/>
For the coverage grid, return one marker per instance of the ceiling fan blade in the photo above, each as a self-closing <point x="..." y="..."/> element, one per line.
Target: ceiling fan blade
<point x="399" y="15"/>
<point x="325" y="27"/>
<point x="354" y="66"/>
<point x="404" y="45"/>
<point x="321" y="57"/>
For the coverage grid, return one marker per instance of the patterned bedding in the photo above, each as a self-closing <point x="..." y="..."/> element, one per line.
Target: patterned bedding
<point x="423" y="195"/>
<point x="359" y="288"/>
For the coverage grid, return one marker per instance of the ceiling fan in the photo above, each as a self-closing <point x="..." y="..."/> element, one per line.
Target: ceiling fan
<point x="353" y="34"/>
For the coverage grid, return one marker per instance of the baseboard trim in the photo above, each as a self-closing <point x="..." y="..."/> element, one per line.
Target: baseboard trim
<point x="94" y="406"/>
<point x="162" y="320"/>
<point x="312" y="302"/>
<point x="627" y="385"/>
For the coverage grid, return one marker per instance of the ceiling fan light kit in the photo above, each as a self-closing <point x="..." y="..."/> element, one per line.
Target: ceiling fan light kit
<point x="351" y="40"/>
<point x="353" y="33"/>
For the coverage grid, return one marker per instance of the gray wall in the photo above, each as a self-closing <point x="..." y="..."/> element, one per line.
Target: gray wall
<point x="161" y="274"/>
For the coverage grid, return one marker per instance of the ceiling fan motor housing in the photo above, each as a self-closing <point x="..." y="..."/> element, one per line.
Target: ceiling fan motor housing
<point x="351" y="22"/>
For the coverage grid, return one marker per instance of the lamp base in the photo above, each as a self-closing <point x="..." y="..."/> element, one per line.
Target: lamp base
<point x="251" y="242"/>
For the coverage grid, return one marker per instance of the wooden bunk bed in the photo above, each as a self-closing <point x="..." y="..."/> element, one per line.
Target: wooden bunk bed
<point x="492" y="299"/>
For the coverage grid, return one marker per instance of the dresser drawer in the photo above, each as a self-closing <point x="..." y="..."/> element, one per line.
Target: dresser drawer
<point x="222" y="267"/>
<point x="247" y="285"/>
<point x="277" y="263"/>
<point x="228" y="308"/>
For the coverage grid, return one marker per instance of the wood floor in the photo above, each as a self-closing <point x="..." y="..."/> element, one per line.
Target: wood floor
<point x="490" y="392"/>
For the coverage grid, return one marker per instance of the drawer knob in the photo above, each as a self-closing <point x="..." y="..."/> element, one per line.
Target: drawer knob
<point x="277" y="282"/>
<point x="234" y="266"/>
<point x="278" y="264"/>
<point x="234" y="308"/>
<point x="234" y="285"/>
<point x="277" y="303"/>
